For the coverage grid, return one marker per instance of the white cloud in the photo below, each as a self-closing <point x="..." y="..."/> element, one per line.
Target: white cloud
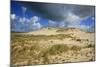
<point x="52" y="23"/>
<point x="72" y="18"/>
<point x="25" y="23"/>
<point x="74" y="22"/>
<point x="36" y="25"/>
<point x="62" y="24"/>
<point x="34" y="19"/>
<point x="13" y="16"/>
<point x="83" y="27"/>
<point x="22" y="19"/>
<point x="86" y="28"/>
<point x="35" y="22"/>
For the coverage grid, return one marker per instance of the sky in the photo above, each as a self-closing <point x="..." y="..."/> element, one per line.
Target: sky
<point x="30" y="16"/>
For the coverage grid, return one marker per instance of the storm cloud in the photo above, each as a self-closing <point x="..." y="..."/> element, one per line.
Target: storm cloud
<point x="60" y="15"/>
<point x="57" y="11"/>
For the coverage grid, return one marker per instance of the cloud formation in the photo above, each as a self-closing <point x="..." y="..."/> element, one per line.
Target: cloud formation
<point x="13" y="16"/>
<point x="52" y="23"/>
<point x="72" y="19"/>
<point x="34" y="19"/>
<point x="58" y="11"/>
<point x="23" y="24"/>
<point x="35" y="23"/>
<point x="57" y="15"/>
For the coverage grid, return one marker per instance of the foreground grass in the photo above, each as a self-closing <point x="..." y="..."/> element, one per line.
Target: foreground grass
<point x="26" y="49"/>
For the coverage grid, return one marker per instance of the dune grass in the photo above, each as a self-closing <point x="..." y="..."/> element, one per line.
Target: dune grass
<point x="27" y="48"/>
<point x="75" y="48"/>
<point x="21" y="37"/>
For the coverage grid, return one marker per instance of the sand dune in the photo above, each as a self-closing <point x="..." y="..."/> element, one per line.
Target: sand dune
<point x="52" y="45"/>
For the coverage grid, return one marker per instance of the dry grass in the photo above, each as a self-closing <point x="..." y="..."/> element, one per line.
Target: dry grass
<point x="27" y="50"/>
<point x="75" y="48"/>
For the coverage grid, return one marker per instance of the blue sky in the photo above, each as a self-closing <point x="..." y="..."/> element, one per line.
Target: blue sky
<point x="29" y="16"/>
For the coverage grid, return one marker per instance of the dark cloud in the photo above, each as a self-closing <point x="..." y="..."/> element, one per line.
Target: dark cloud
<point x="59" y="15"/>
<point x="57" y="11"/>
<point x="84" y="11"/>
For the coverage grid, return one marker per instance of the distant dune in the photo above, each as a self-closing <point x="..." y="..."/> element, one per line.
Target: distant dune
<point x="54" y="31"/>
<point x="52" y="45"/>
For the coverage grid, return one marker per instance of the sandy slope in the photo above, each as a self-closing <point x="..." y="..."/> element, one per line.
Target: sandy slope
<point x="46" y="39"/>
<point x="44" y="31"/>
<point x="79" y="34"/>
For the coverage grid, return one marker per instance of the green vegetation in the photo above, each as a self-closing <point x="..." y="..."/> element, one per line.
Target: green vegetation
<point x="58" y="49"/>
<point x="75" y="48"/>
<point x="53" y="50"/>
<point x="90" y="46"/>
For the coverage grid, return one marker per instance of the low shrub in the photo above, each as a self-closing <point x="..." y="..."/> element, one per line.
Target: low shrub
<point x="75" y="48"/>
